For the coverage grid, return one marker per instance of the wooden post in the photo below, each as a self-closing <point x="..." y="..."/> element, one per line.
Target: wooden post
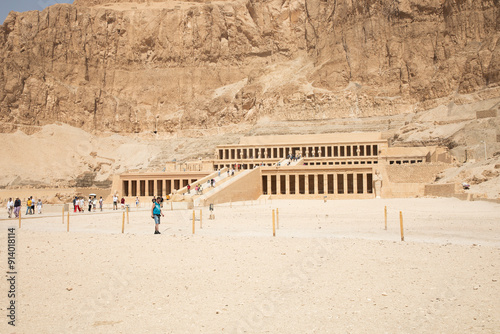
<point x="128" y="220"/>
<point x="401" y="225"/>
<point x="63" y="214"/>
<point x="194" y="217"/>
<point x="20" y="217"/>
<point x="277" y="219"/>
<point x="123" y="222"/>
<point x="201" y="218"/>
<point x="67" y="227"/>
<point x="274" y="226"/>
<point x="385" y="217"/>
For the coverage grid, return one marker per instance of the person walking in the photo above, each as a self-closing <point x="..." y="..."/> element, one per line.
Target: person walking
<point x="39" y="206"/>
<point x="82" y="204"/>
<point x="10" y="207"/>
<point x="90" y="204"/>
<point x="75" y="203"/>
<point x="122" y="202"/>
<point x="94" y="203"/>
<point x="32" y="205"/>
<point x="100" y="203"/>
<point x="28" y="206"/>
<point x="17" y="207"/>
<point x="155" y="214"/>
<point x="137" y="202"/>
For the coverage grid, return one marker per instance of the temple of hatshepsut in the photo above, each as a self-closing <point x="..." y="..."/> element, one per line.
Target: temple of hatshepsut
<point x="328" y="166"/>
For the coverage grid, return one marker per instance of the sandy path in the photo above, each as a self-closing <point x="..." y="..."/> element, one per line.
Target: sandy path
<point x="331" y="268"/>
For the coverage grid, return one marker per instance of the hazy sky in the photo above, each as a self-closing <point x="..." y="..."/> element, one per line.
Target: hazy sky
<point x="24" y="5"/>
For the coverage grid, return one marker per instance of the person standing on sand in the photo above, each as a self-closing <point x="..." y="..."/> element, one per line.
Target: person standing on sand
<point x="10" y="207"/>
<point x="123" y="203"/>
<point x="90" y="204"/>
<point x="17" y="207"/>
<point x="75" y="203"/>
<point x="39" y="206"/>
<point x="100" y="203"/>
<point x="82" y="204"/>
<point x="137" y="202"/>
<point x="155" y="214"/>
<point x="32" y="205"/>
<point x="94" y="203"/>
<point x="115" y="202"/>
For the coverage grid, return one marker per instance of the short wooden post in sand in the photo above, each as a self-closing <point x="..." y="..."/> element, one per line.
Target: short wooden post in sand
<point x="123" y="222"/>
<point x="19" y="218"/>
<point x="67" y="226"/>
<point x="194" y="217"/>
<point x="385" y="217"/>
<point x="401" y="225"/>
<point x="68" y="219"/>
<point x="128" y="220"/>
<point x="201" y="218"/>
<point x="274" y="225"/>
<point x="277" y="219"/>
<point x="63" y="214"/>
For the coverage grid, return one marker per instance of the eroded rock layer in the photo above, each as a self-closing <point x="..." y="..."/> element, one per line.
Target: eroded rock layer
<point x="132" y="67"/>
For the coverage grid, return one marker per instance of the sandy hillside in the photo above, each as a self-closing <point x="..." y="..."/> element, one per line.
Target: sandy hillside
<point x="332" y="268"/>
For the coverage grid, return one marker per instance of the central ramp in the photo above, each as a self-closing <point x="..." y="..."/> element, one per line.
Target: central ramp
<point x="244" y="186"/>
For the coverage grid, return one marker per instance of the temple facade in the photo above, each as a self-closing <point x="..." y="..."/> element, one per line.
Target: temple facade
<point x="346" y="165"/>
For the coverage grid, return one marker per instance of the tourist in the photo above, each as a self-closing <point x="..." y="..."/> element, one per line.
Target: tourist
<point x="94" y="203"/>
<point x="82" y="204"/>
<point x="208" y="184"/>
<point x="188" y="189"/>
<point x="100" y="203"/>
<point x="76" y="203"/>
<point x="212" y="183"/>
<point x="137" y="202"/>
<point x="28" y="206"/>
<point x="115" y="202"/>
<point x="39" y="206"/>
<point x="155" y="214"/>
<point x="17" y="207"/>
<point x="90" y="204"/>
<point x="32" y="205"/>
<point x="161" y="202"/>
<point x="218" y="171"/>
<point x="10" y="207"/>
<point x="122" y="202"/>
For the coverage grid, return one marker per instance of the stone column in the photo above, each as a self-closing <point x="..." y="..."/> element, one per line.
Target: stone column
<point x="129" y="187"/>
<point x="287" y="184"/>
<point x="146" y="187"/>
<point x="316" y="191"/>
<point x="354" y="182"/>
<point x="365" y="185"/>
<point x="325" y="184"/>
<point x="335" y="185"/>
<point x="278" y="184"/>
<point x="164" y="188"/>
<point x="269" y="191"/>
<point x="306" y="184"/>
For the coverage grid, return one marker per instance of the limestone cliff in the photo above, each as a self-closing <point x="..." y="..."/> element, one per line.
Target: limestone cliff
<point x="131" y="67"/>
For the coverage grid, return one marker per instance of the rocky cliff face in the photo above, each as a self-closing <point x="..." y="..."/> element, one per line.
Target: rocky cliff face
<point x="110" y="65"/>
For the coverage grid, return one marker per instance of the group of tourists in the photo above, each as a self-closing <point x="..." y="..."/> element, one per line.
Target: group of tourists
<point x="14" y="206"/>
<point x="92" y="202"/>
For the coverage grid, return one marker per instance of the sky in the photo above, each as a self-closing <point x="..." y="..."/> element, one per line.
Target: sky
<point x="24" y="5"/>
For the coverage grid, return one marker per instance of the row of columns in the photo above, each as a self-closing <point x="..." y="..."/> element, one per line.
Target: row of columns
<point x="328" y="151"/>
<point x="367" y="179"/>
<point x="167" y="186"/>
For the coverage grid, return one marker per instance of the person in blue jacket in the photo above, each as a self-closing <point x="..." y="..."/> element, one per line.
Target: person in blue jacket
<point x="156" y="212"/>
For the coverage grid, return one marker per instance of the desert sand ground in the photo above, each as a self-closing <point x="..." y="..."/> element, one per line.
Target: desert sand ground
<point x="332" y="268"/>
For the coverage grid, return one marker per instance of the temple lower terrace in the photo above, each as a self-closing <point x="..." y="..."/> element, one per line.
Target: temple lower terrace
<point x="329" y="166"/>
